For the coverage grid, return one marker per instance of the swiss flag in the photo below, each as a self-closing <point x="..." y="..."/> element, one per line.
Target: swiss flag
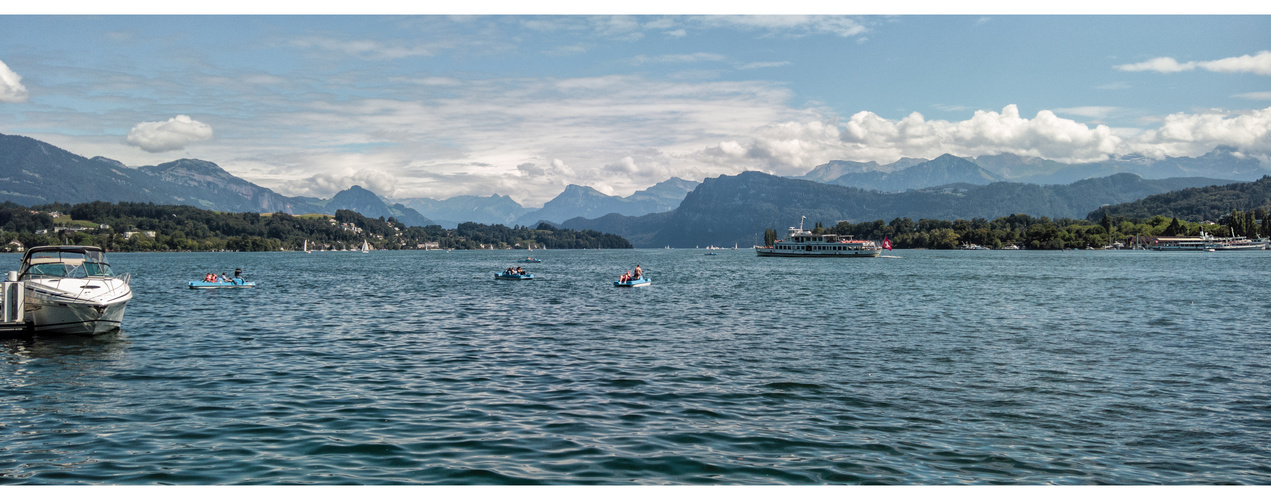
<point x="886" y="243"/>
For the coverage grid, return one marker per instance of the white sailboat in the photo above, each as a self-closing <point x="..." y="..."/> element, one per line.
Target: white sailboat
<point x="307" y="250"/>
<point x="365" y="248"/>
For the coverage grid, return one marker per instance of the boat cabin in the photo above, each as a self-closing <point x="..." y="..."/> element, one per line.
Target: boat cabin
<point x="64" y="262"/>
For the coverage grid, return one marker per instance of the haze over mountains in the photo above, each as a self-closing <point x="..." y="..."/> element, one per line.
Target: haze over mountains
<point x="676" y="212"/>
<point x="912" y="173"/>
<point x="574" y="201"/>
<point x="33" y="172"/>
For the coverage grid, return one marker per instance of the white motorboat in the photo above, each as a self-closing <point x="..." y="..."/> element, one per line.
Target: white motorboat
<point x="71" y="289"/>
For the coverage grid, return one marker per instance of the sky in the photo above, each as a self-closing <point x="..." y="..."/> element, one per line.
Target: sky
<point x="439" y="105"/>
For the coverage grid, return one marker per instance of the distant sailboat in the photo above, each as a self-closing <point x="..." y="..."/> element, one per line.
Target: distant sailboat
<point x="307" y="250"/>
<point x="365" y="248"/>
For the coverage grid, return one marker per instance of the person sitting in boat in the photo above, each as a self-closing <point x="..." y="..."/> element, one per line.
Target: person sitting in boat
<point x="638" y="273"/>
<point x="224" y="278"/>
<point x="626" y="276"/>
<point x="209" y="278"/>
<point x="509" y="272"/>
<point x="238" y="273"/>
<point x="520" y="271"/>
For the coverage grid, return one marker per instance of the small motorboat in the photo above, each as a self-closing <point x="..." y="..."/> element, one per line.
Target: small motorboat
<point x="530" y="260"/>
<point x="710" y="253"/>
<point x="513" y="276"/>
<point x="633" y="283"/>
<point x="234" y="283"/>
<point x="71" y="289"/>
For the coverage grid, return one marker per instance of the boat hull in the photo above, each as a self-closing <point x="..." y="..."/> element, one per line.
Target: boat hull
<point x="1234" y="248"/>
<point x="50" y="313"/>
<point x="514" y="277"/>
<point x="633" y="283"/>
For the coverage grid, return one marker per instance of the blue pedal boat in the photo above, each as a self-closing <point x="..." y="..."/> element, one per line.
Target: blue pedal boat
<point x="513" y="276"/>
<point x="632" y="283"/>
<point x="529" y="259"/>
<point x="234" y="283"/>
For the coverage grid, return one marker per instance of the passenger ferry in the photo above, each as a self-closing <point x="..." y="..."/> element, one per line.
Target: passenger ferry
<point x="802" y="243"/>
<point x="1207" y="242"/>
<point x="1180" y="244"/>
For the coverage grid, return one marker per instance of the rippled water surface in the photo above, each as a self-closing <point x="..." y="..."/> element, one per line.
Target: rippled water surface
<point x="419" y="368"/>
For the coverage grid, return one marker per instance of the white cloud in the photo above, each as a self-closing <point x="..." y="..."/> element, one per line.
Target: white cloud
<point x="794" y="147"/>
<point x="1183" y="134"/>
<point x="759" y="65"/>
<point x="1159" y="65"/>
<point x="172" y="135"/>
<point x="841" y="26"/>
<point x="1259" y="64"/>
<point x="325" y="184"/>
<point x="1255" y="96"/>
<point x="1045" y="135"/>
<point x="365" y="49"/>
<point x="1089" y="111"/>
<point x="679" y="58"/>
<point x="11" y="88"/>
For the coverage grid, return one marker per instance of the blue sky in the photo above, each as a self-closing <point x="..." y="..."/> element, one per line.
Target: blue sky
<point x="439" y="106"/>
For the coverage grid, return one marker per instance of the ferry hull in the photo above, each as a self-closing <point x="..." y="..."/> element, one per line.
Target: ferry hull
<point x="1229" y="248"/>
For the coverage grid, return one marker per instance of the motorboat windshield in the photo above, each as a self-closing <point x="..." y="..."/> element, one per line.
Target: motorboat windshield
<point x="65" y="262"/>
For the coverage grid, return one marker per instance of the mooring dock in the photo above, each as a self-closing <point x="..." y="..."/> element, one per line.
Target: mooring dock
<point x="12" y="303"/>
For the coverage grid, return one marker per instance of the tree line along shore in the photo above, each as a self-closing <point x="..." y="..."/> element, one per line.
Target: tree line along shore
<point x="1039" y="233"/>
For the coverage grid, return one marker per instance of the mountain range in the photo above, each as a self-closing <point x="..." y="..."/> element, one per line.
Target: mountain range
<point x="912" y="173"/>
<point x="730" y="210"/>
<point x="33" y="172"/>
<point x="718" y="211"/>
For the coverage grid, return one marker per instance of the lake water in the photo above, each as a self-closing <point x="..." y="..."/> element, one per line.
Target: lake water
<point x="939" y="367"/>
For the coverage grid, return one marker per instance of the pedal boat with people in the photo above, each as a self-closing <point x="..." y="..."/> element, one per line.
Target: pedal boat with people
<point x="513" y="276"/>
<point x="643" y="281"/>
<point x="232" y="283"/>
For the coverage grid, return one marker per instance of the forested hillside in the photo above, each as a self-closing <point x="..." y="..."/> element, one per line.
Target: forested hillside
<point x="128" y="226"/>
<point x="1196" y="204"/>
